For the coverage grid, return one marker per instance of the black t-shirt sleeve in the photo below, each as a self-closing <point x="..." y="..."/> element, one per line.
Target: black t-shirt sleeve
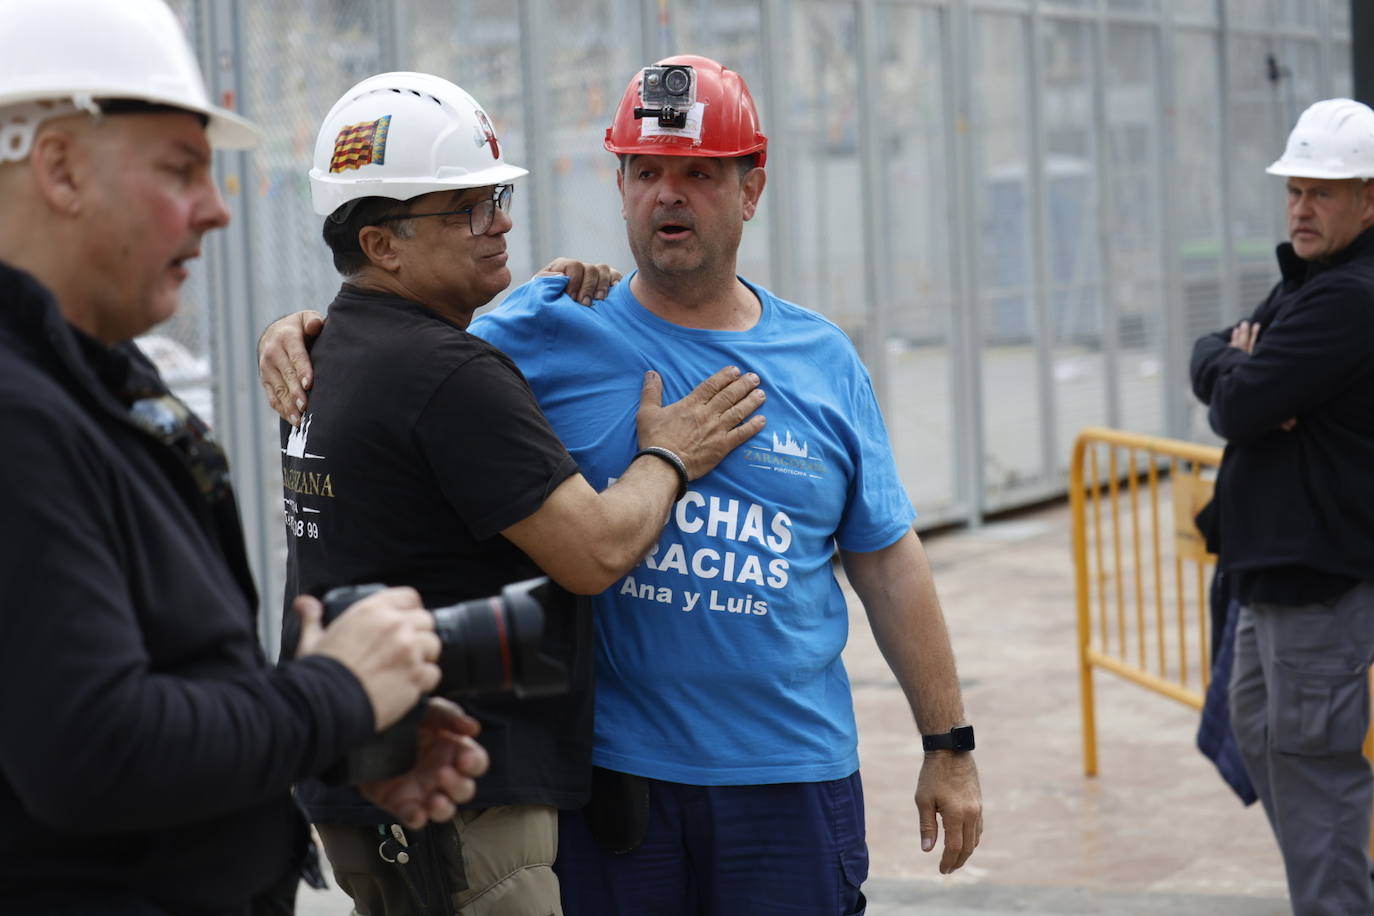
<point x="491" y="449"/>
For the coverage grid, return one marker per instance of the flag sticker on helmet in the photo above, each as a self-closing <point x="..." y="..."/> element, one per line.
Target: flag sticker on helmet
<point x="362" y="144"/>
<point x="649" y="127"/>
<point x="485" y="134"/>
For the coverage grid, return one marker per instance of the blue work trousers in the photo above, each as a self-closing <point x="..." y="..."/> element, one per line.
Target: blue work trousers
<point x="792" y="849"/>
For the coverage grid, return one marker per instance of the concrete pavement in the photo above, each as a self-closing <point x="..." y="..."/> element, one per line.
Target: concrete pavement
<point x="1157" y="832"/>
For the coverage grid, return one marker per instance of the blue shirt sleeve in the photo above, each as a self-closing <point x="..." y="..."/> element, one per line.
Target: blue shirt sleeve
<point x="877" y="511"/>
<point x="524" y="325"/>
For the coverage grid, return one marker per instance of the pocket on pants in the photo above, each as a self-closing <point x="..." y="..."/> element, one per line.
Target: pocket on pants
<point x="1316" y="712"/>
<point x="847" y="807"/>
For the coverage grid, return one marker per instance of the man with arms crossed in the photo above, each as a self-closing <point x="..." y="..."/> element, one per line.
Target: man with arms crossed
<point x="1291" y="390"/>
<point x="149" y="748"/>
<point x="735" y="617"/>
<point x="423" y="460"/>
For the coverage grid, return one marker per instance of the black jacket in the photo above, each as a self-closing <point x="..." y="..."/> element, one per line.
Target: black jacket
<point x="146" y="745"/>
<point x="1295" y="507"/>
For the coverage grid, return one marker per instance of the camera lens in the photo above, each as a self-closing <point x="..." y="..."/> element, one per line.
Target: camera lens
<point x="490" y="646"/>
<point x="476" y="646"/>
<point x="493" y="644"/>
<point x="676" y="81"/>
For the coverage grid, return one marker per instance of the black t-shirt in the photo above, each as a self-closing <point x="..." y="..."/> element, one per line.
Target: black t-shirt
<point x="420" y="444"/>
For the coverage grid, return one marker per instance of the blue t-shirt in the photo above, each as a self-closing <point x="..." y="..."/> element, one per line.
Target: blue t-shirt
<point x="718" y="656"/>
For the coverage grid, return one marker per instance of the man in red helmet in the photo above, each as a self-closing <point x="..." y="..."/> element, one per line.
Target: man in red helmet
<point x="727" y="777"/>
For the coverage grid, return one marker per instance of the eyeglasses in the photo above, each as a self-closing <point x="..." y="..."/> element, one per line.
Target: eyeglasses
<point x="480" y="214"/>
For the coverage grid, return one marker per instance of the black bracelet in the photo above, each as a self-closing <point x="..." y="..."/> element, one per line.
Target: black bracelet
<point x="671" y="457"/>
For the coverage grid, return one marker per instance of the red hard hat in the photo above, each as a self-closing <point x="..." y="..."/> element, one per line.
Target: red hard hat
<point x="724" y="123"/>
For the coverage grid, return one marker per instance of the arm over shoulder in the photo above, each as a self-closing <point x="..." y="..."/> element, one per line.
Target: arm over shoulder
<point x="526" y="323"/>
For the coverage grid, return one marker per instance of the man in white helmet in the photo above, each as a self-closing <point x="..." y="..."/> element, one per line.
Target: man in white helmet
<point x="424" y="460"/>
<point x="1291" y="389"/>
<point x="149" y="748"/>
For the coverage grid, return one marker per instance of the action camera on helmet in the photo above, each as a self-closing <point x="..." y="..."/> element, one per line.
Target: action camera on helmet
<point x="668" y="93"/>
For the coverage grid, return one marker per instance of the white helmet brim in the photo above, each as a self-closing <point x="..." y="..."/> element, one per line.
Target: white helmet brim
<point x="329" y="192"/>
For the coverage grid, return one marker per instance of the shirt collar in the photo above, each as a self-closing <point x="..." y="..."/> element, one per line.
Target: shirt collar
<point x="1295" y="270"/>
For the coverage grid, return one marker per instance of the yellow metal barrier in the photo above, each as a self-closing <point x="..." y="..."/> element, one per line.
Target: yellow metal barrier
<point x="1142" y="582"/>
<point x="1149" y="592"/>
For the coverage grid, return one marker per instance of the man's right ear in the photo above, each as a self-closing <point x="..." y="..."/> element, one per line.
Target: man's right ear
<point x="379" y="247"/>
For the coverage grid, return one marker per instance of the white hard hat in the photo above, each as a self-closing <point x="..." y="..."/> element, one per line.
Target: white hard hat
<point x="1334" y="138"/>
<point x="400" y="135"/>
<point x="77" y="52"/>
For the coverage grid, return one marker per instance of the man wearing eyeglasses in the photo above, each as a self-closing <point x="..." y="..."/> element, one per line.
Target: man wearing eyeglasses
<point x="424" y="460"/>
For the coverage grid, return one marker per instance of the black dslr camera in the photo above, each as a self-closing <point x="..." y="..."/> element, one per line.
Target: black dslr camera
<point x="490" y="646"/>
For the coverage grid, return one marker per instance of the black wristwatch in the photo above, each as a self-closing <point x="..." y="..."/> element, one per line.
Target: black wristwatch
<point x="956" y="739"/>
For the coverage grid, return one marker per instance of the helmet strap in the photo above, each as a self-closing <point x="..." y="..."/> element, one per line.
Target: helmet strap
<point x="19" y="123"/>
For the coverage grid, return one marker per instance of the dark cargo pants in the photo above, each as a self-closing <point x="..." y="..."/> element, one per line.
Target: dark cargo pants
<point x="1300" y="710"/>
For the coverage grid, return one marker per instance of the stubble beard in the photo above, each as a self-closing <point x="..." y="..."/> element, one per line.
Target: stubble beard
<point x="669" y="261"/>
